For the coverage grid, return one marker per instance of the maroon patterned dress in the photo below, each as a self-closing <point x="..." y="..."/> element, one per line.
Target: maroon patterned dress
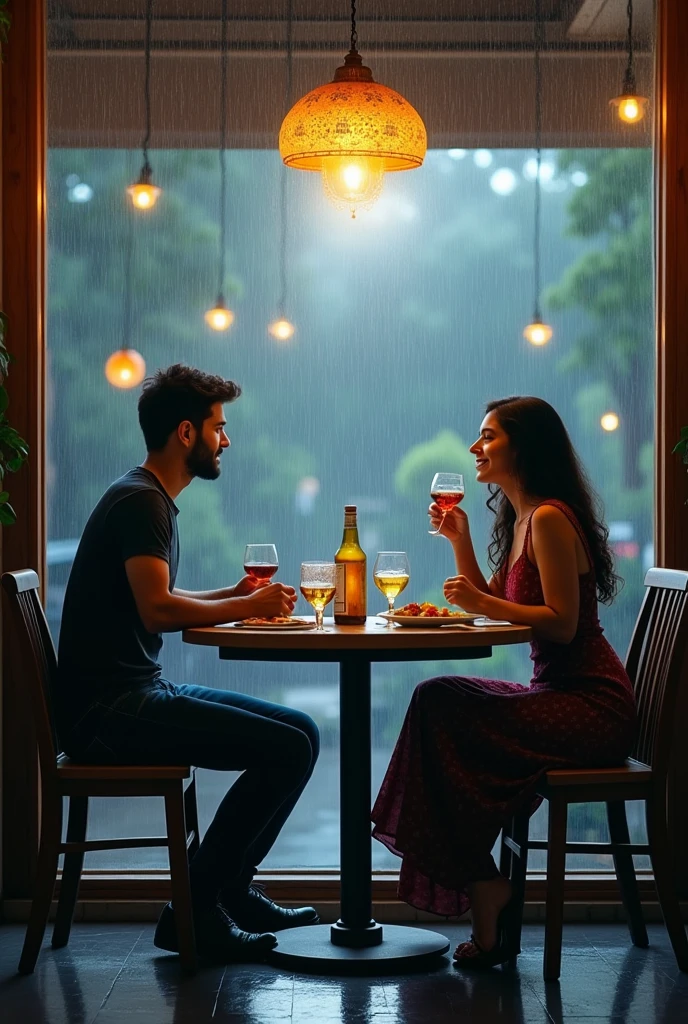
<point x="471" y="749"/>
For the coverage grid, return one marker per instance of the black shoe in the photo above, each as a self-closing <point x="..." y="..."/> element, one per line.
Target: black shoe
<point x="252" y="909"/>
<point x="217" y="938"/>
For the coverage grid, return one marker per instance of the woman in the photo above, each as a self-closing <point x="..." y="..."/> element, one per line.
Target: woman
<point x="471" y="750"/>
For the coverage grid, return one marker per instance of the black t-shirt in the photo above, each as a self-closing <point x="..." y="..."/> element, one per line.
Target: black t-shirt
<point x="104" y="645"/>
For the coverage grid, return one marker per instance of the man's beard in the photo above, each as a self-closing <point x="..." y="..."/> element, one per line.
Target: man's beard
<point x="201" y="461"/>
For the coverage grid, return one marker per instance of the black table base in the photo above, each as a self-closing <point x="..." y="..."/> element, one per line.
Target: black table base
<point x="402" y="949"/>
<point x="357" y="944"/>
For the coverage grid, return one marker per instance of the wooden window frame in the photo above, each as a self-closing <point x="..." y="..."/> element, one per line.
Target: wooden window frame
<point x="24" y="146"/>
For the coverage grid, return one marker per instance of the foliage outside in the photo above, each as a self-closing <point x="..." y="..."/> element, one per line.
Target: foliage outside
<point x="13" y="448"/>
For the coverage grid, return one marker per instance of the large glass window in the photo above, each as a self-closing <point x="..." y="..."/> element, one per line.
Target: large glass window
<point x="408" y="319"/>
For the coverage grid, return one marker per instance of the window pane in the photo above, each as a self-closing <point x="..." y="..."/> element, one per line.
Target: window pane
<point x="408" y="319"/>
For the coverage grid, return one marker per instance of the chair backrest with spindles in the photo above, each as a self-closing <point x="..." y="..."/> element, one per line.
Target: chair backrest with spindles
<point x="655" y="663"/>
<point x="38" y="661"/>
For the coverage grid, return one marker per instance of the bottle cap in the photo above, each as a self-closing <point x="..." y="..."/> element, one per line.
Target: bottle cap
<point x="349" y="508"/>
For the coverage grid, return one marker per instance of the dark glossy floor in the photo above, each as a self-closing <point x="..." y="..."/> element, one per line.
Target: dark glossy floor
<point x="112" y="973"/>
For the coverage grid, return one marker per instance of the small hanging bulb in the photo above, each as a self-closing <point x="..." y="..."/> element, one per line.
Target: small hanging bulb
<point x="609" y="422"/>
<point x="143" y="193"/>
<point x="630" y="107"/>
<point x="537" y="333"/>
<point x="220" y="317"/>
<point x="125" y="368"/>
<point x="281" y="329"/>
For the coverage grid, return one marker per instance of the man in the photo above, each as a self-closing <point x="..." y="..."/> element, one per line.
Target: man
<point x="113" y="703"/>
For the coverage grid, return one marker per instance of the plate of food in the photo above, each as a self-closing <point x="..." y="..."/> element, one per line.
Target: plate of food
<point x="428" y="616"/>
<point x="275" y="622"/>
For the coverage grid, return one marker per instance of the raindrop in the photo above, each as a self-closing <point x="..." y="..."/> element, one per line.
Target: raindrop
<point x="456" y="154"/>
<point x="579" y="178"/>
<point x="482" y="158"/>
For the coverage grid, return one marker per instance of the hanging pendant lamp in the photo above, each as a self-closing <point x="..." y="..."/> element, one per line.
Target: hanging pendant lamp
<point x="143" y="193"/>
<point x="537" y="332"/>
<point x="126" y="367"/>
<point x="629" y="106"/>
<point x="220" y="317"/>
<point x="281" y="328"/>
<point x="353" y="130"/>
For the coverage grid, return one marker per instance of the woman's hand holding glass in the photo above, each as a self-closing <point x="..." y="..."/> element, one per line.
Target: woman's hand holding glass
<point x="453" y="524"/>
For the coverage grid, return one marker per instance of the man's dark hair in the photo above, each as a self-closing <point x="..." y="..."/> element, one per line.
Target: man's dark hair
<point x="176" y="394"/>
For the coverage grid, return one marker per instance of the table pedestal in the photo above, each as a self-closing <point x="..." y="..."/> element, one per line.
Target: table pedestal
<point x="356" y="943"/>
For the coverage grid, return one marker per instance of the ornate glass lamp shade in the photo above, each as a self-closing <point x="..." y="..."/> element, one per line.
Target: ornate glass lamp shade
<point x="353" y="129"/>
<point x="125" y="368"/>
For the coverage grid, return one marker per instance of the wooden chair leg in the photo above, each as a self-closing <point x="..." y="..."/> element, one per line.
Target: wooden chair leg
<point x="519" y="870"/>
<point x="71" y="873"/>
<point x="46" y="873"/>
<point x="191" y="812"/>
<point x="179" y="875"/>
<point x="625" y="872"/>
<point x="660" y="841"/>
<point x="556" y="872"/>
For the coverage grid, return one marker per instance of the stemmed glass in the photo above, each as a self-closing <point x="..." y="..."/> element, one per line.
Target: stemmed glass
<point x="446" y="491"/>
<point x="391" y="574"/>
<point x="318" y="584"/>
<point x="261" y="562"/>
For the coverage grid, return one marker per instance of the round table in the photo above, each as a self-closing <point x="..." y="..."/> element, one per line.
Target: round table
<point x="357" y="942"/>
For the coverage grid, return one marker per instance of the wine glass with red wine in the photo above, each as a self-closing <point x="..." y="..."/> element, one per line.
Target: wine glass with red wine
<point x="446" y="491"/>
<point x="260" y="562"/>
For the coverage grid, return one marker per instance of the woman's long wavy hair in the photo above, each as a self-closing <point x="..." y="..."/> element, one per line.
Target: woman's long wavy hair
<point x="547" y="466"/>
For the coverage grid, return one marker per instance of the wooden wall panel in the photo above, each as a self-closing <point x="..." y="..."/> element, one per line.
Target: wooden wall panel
<point x="672" y="330"/>
<point x="23" y="282"/>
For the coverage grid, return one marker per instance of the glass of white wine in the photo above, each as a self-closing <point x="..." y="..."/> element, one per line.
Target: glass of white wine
<point x="318" y="584"/>
<point x="391" y="574"/>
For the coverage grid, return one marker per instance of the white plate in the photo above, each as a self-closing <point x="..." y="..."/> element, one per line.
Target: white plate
<point x="275" y="625"/>
<point x="429" y="621"/>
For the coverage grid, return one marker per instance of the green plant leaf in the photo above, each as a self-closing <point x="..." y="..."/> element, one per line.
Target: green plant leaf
<point x="14" y="464"/>
<point x="4" y="496"/>
<point x="7" y="515"/>
<point x="4" y="399"/>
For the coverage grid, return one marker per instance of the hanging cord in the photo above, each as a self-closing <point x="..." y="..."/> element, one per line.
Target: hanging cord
<point x="354" y="33"/>
<point x="629" y="78"/>
<point x="223" y="144"/>
<point x="282" y="304"/>
<point x="537" y="316"/>
<point x="147" y="47"/>
<point x="128" y="262"/>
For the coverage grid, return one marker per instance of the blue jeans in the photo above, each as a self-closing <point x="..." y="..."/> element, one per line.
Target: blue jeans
<point x="168" y="723"/>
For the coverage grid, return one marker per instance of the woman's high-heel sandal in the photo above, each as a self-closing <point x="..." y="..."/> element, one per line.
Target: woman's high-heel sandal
<point x="506" y="946"/>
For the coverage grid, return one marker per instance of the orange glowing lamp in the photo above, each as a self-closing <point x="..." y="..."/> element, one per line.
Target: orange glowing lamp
<point x="125" y="368"/>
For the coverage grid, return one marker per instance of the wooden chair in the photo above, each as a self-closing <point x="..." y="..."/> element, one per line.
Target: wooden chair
<point x="61" y="777"/>
<point x="655" y="664"/>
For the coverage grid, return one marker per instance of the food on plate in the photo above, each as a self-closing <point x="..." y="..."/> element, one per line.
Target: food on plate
<point x="275" y="620"/>
<point x="427" y="610"/>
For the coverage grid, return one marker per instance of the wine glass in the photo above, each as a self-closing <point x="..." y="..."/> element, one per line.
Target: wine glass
<point x="446" y="491"/>
<point x="261" y="562"/>
<point x="391" y="574"/>
<point x="318" y="584"/>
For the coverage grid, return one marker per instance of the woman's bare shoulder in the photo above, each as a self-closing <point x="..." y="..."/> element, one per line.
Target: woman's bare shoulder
<point x="550" y="520"/>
